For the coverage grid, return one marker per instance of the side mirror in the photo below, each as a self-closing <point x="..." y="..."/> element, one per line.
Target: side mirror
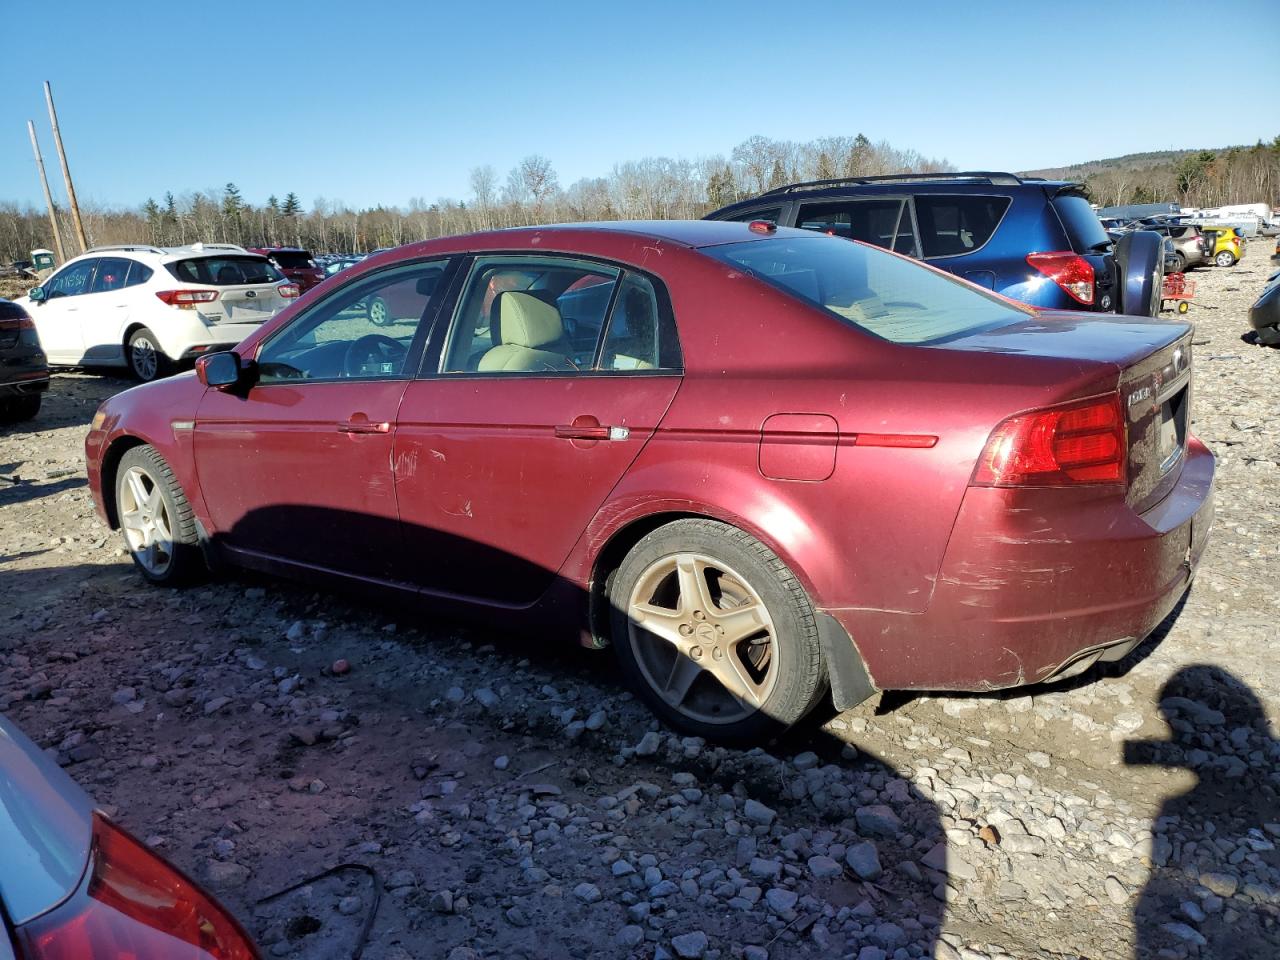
<point x="219" y="370"/>
<point x="37" y="295"/>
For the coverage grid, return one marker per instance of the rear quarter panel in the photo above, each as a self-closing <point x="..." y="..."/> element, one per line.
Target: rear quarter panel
<point x="873" y="534"/>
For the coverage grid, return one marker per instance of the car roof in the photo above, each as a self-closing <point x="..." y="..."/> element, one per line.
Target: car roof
<point x="142" y="251"/>
<point x="688" y="233"/>
<point x="984" y="183"/>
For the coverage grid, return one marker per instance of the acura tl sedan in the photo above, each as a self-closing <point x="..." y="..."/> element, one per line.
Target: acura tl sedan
<point x="759" y="463"/>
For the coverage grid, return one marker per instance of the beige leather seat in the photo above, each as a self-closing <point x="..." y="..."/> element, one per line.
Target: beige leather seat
<point x="526" y="324"/>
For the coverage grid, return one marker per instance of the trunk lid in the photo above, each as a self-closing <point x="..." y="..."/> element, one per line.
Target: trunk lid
<point x="1152" y="360"/>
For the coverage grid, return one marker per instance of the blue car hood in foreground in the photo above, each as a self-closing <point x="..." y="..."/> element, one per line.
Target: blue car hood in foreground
<point x="46" y="828"/>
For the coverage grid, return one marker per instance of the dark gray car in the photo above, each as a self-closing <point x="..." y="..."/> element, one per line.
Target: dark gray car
<point x="74" y="885"/>
<point x="24" y="370"/>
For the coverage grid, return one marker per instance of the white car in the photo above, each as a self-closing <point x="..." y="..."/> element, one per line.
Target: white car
<point x="152" y="308"/>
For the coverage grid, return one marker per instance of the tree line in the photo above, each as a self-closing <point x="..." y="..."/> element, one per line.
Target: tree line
<point x="650" y="188"/>
<point x="1204" y="178"/>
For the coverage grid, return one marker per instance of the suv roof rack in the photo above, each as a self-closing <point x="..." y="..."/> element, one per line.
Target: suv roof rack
<point x="143" y="247"/>
<point x="981" y="176"/>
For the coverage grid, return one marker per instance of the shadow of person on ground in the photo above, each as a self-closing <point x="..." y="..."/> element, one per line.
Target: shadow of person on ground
<point x="1215" y="887"/>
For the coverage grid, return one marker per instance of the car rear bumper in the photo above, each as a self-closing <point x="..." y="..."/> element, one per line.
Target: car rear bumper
<point x="23" y="383"/>
<point x="1023" y="596"/>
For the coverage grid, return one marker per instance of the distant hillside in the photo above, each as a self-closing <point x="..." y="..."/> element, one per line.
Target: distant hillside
<point x="1202" y="178"/>
<point x="1130" y="161"/>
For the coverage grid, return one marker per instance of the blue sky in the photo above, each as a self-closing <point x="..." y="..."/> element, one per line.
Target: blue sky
<point x="369" y="101"/>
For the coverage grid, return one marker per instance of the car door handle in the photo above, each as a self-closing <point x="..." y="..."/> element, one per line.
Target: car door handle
<point x="364" y="426"/>
<point x="569" y="431"/>
<point x="589" y="428"/>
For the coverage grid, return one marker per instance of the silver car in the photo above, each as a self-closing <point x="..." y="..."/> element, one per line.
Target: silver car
<point x="74" y="886"/>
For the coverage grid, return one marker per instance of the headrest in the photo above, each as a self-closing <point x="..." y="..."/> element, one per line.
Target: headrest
<point x="527" y="321"/>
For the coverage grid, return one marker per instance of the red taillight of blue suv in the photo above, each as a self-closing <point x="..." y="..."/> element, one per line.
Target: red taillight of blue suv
<point x="1070" y="271"/>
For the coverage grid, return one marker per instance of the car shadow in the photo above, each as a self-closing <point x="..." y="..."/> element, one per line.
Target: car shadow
<point x="1214" y="840"/>
<point x="850" y="854"/>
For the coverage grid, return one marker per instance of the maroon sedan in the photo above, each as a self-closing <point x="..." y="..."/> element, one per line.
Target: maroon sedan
<point x="755" y="461"/>
<point x="295" y="263"/>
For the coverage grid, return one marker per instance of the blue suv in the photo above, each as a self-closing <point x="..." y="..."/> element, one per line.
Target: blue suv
<point x="1032" y="240"/>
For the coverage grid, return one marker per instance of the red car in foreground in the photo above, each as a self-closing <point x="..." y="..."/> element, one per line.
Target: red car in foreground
<point x="756" y="461"/>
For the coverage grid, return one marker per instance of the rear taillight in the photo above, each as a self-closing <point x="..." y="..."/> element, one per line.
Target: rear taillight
<point x="290" y="291"/>
<point x="17" y="323"/>
<point x="187" y="299"/>
<point x="1072" y="272"/>
<point x="137" y="906"/>
<point x="1083" y="442"/>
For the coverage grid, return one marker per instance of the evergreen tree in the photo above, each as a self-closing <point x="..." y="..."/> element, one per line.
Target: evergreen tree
<point x="292" y="207"/>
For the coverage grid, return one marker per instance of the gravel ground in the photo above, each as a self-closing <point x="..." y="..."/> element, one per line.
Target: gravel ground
<point x="512" y="800"/>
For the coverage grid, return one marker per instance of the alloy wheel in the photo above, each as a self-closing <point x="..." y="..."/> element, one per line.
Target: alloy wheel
<point x="703" y="638"/>
<point x="143" y="358"/>
<point x="144" y="517"/>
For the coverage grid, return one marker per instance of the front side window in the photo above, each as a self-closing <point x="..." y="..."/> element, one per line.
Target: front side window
<point x="889" y="296"/>
<point x="70" y="281"/>
<point x="953" y="225"/>
<point x="113" y="273"/>
<point x="520" y="314"/>
<point x="231" y="271"/>
<point x="364" y="331"/>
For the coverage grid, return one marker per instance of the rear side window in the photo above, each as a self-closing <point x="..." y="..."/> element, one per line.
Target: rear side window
<point x="138" y="273"/>
<point x="1084" y="230"/>
<point x="112" y="275"/>
<point x="225" y="271"/>
<point x="888" y="296"/>
<point x="954" y="225"/>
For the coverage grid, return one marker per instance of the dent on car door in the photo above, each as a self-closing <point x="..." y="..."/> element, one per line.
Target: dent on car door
<point x="552" y="376"/>
<point x="298" y="466"/>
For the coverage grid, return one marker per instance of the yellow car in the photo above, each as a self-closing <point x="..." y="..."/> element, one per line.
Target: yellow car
<point x="1228" y="245"/>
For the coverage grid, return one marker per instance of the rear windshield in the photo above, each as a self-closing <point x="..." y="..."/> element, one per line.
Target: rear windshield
<point x="291" y="259"/>
<point x="225" y="271"/>
<point x="889" y="296"/>
<point x="1083" y="228"/>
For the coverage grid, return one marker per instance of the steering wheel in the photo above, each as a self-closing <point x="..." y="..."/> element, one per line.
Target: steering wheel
<point x="375" y="347"/>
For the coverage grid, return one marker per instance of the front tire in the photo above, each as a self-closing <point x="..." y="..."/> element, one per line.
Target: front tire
<point x="715" y="633"/>
<point x="146" y="360"/>
<point x="156" y="520"/>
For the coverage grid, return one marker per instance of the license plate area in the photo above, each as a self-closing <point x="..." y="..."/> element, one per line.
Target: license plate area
<point x="1173" y="427"/>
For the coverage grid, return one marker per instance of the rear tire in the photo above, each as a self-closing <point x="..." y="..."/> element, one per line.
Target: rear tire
<point x="727" y="607"/>
<point x="156" y="520"/>
<point x="1225" y="258"/>
<point x="146" y="360"/>
<point x="17" y="409"/>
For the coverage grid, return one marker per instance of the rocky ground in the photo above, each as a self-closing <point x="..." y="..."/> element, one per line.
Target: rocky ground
<point x="507" y="798"/>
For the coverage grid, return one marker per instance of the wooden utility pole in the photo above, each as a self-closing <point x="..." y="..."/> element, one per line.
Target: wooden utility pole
<point x="48" y="197"/>
<point x="66" y="171"/>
